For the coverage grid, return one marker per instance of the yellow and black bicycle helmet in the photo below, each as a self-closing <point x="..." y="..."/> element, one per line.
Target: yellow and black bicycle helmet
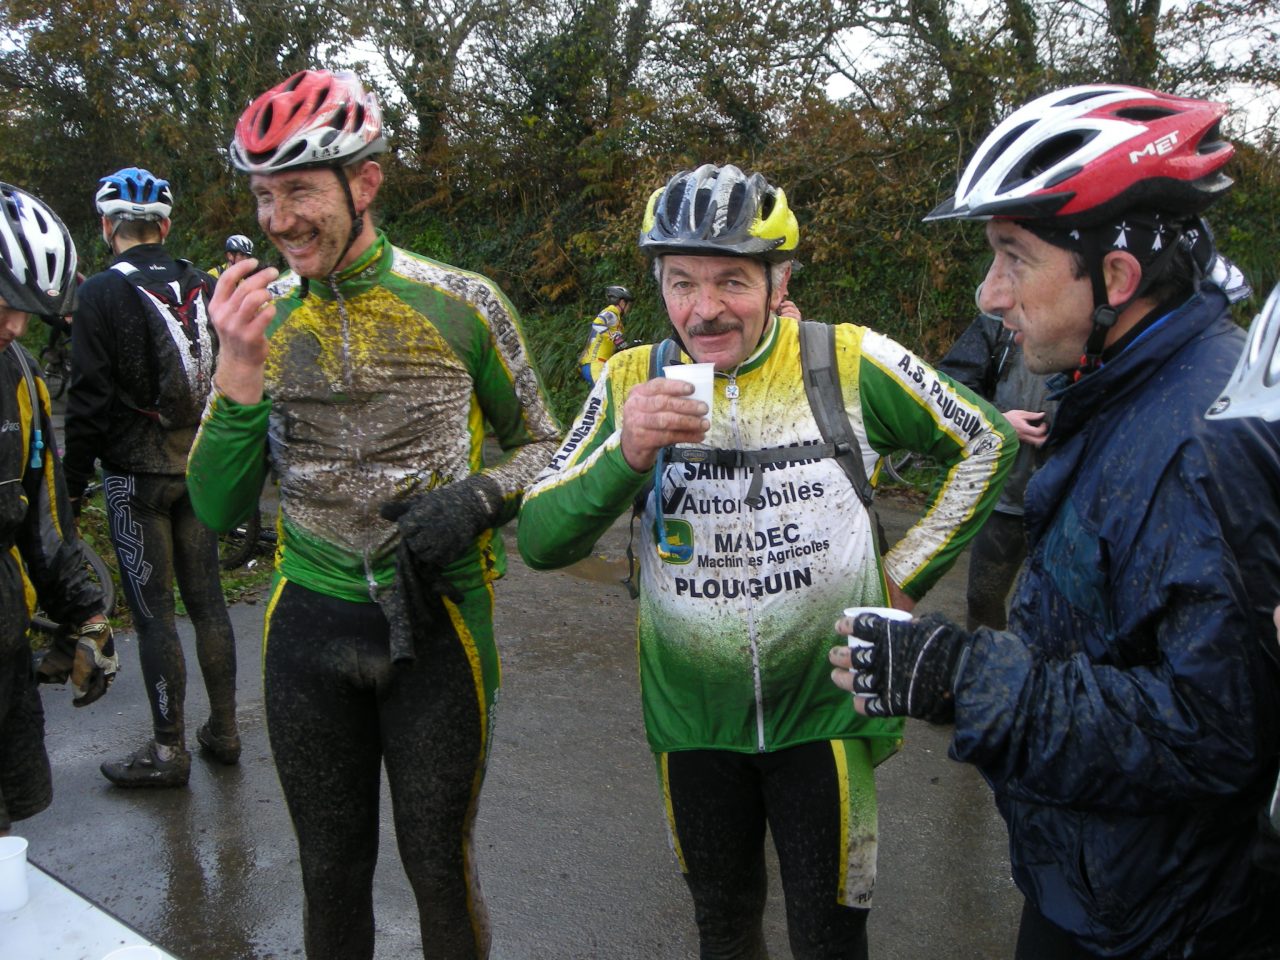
<point x="720" y="211"/>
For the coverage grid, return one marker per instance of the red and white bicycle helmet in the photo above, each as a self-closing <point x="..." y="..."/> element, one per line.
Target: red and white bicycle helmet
<point x="37" y="256"/>
<point x="1085" y="154"/>
<point x="315" y="118"/>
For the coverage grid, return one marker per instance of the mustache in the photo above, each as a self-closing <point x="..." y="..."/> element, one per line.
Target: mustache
<point x="711" y="328"/>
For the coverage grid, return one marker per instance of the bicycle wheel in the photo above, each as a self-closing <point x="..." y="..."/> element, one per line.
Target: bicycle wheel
<point x="239" y="544"/>
<point x="54" y="367"/>
<point x="910" y="469"/>
<point x="100" y="574"/>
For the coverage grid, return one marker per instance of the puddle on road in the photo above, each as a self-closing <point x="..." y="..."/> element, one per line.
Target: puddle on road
<point x="598" y="569"/>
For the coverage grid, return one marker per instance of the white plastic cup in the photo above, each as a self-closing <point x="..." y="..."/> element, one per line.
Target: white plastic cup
<point x="701" y="375"/>
<point x="137" y="951"/>
<point x="13" y="874"/>
<point x="889" y="613"/>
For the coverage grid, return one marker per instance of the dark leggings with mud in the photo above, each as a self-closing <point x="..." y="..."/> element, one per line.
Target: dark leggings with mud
<point x="158" y="539"/>
<point x="337" y="710"/>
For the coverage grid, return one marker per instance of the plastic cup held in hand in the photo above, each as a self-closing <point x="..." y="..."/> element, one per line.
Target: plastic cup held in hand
<point x="701" y="375"/>
<point x="13" y="874"/>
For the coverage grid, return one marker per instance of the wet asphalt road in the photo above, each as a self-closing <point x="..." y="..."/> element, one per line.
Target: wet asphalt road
<point x="572" y="848"/>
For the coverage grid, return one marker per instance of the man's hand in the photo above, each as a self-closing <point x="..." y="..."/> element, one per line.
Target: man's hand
<point x="903" y="669"/>
<point x="96" y="662"/>
<point x="241" y="310"/>
<point x="439" y="525"/>
<point x="1030" y="426"/>
<point x="658" y="413"/>
<point x="436" y="527"/>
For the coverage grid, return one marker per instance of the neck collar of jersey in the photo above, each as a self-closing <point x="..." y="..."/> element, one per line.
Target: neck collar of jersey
<point x="765" y="347"/>
<point x="364" y="273"/>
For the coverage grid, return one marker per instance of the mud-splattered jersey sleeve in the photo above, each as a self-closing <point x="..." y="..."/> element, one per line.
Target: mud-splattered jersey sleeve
<point x="588" y="483"/>
<point x="227" y="464"/>
<point x="512" y="399"/>
<point x="907" y="405"/>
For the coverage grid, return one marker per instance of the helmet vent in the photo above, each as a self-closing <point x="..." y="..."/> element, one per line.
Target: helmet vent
<point x="264" y="121"/>
<point x="701" y="201"/>
<point x="1051" y="152"/>
<point x="1145" y="113"/>
<point x="294" y="153"/>
<point x="329" y="136"/>
<point x="998" y="150"/>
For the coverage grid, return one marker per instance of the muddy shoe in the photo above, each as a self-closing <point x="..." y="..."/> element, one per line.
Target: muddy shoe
<point x="144" y="768"/>
<point x="225" y="749"/>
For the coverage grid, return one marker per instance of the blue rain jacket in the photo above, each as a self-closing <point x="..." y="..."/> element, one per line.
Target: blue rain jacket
<point x="1129" y="720"/>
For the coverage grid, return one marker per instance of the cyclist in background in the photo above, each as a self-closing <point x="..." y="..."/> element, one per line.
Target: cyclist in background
<point x="606" y="337"/>
<point x="987" y="361"/>
<point x="142" y="357"/>
<point x="238" y="247"/>
<point x="42" y="558"/>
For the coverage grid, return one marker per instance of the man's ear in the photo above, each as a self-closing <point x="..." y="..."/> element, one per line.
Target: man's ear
<point x="1123" y="274"/>
<point x="165" y="225"/>
<point x="780" y="289"/>
<point x="365" y="185"/>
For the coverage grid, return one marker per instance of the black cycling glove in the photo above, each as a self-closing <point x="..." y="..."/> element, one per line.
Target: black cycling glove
<point x="909" y="669"/>
<point x="436" y="528"/>
<point x="440" y="524"/>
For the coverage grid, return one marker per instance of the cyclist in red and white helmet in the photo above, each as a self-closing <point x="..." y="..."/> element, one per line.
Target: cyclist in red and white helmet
<point x="1128" y="721"/>
<point x="313" y="120"/>
<point x="367" y="378"/>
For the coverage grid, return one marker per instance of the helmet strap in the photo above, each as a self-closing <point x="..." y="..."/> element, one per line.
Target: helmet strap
<point x="1104" y="314"/>
<point x="357" y="221"/>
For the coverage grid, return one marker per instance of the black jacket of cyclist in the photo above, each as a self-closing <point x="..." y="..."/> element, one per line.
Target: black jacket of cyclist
<point x="41" y="558"/>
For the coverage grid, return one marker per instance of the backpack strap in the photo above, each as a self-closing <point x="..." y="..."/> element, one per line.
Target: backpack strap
<point x="37" y="431"/>
<point x="826" y="402"/>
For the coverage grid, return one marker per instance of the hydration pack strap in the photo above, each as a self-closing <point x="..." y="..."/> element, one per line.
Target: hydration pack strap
<point x="37" y="431"/>
<point x="826" y="402"/>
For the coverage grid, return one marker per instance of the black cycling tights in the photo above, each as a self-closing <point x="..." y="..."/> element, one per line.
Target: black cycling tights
<point x="157" y="539"/>
<point x="720" y="803"/>
<point x="336" y="710"/>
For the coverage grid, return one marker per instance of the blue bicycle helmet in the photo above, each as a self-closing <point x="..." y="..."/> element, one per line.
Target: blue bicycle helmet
<point x="134" y="194"/>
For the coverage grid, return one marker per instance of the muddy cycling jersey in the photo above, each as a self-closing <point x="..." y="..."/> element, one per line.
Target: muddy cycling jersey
<point x="733" y="641"/>
<point x="374" y="394"/>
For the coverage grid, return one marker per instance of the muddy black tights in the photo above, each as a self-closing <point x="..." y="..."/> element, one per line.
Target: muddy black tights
<point x="337" y="710"/>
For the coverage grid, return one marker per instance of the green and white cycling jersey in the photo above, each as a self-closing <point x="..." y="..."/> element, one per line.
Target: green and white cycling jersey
<point x="732" y="642"/>
<point x="371" y="397"/>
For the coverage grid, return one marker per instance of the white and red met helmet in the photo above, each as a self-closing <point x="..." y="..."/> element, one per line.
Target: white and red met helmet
<point x="1082" y="155"/>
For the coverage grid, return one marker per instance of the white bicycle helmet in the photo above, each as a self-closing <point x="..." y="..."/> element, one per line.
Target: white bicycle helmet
<point x="239" y="243"/>
<point x="134" y="194"/>
<point x="315" y="118"/>
<point x="1082" y="155"/>
<point x="1254" y="387"/>
<point x="37" y="256"/>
